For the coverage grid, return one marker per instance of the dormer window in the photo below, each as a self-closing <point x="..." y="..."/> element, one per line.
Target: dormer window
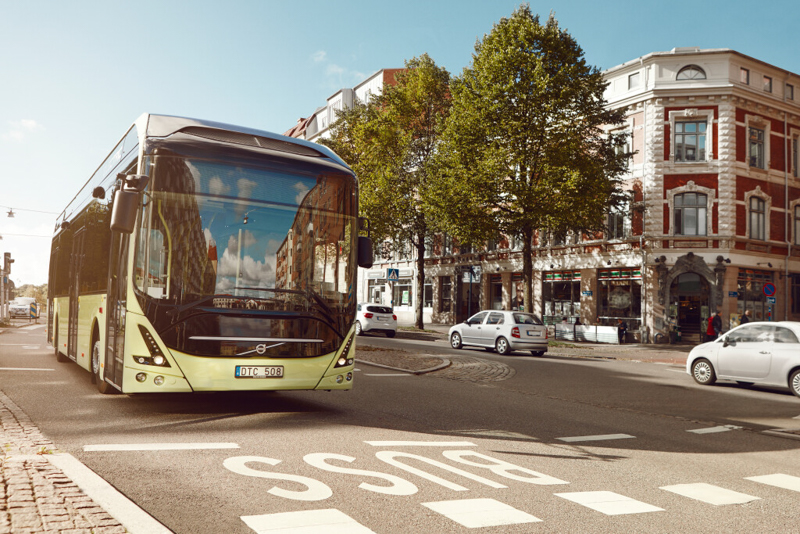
<point x="691" y="72"/>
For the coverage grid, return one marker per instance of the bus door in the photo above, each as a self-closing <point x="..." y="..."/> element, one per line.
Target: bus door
<point x="115" y="323"/>
<point x="75" y="266"/>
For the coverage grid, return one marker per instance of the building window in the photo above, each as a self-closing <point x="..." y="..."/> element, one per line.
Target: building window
<point x="690" y="210"/>
<point x="619" y="295"/>
<point x="497" y="291"/>
<point x="401" y="293"/>
<point x="427" y="292"/>
<point x="445" y="303"/>
<point x="691" y="72"/>
<point x="797" y="225"/>
<point x="795" y="156"/>
<point x="757" y="148"/>
<point x="751" y="293"/>
<point x="561" y="296"/>
<point x="757" y="218"/>
<point x="789" y="91"/>
<point x="796" y="293"/>
<point x="690" y="141"/>
<point x="767" y="84"/>
<point x="633" y="80"/>
<point x="744" y="76"/>
<point x="618" y="223"/>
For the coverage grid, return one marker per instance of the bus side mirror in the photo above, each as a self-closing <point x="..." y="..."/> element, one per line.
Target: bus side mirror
<point x="365" y="257"/>
<point x="126" y="203"/>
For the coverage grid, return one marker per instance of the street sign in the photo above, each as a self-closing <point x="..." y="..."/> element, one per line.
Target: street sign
<point x="769" y="289"/>
<point x="393" y="275"/>
<point x="772" y="300"/>
<point x="733" y="293"/>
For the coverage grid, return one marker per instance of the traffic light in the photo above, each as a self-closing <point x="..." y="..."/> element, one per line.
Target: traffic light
<point x="7" y="261"/>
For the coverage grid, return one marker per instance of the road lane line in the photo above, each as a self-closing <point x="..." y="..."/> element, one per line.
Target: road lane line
<point x="420" y="443"/>
<point x="710" y="494"/>
<point x="24" y="369"/>
<point x="479" y="513"/>
<point x="157" y="447"/>
<point x="603" y="437"/>
<point x="330" y="521"/>
<point x="387" y="374"/>
<point x="133" y="518"/>
<point x="715" y="429"/>
<point x="609" y="503"/>
<point x="778" y="480"/>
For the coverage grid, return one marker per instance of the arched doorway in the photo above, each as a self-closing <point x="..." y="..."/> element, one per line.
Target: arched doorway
<point x="690" y="305"/>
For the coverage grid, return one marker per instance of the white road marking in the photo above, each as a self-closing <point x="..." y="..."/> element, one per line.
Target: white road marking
<point x="603" y="437"/>
<point x="24" y="369"/>
<point x="420" y="443"/>
<point x="388" y="374"/>
<point x="779" y="481"/>
<point x="330" y="521"/>
<point x="478" y="513"/>
<point x="158" y="446"/>
<point x="715" y="429"/>
<point x="710" y="494"/>
<point x="31" y="327"/>
<point x="133" y="518"/>
<point x="609" y="503"/>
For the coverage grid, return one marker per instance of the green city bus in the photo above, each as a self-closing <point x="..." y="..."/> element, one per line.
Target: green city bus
<point x="207" y="257"/>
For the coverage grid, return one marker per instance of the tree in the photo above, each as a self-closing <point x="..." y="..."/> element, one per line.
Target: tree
<point x="391" y="142"/>
<point x="525" y="146"/>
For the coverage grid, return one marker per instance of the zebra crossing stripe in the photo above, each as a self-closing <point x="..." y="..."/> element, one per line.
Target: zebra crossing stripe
<point x="603" y="437"/>
<point x="609" y="503"/>
<point x="779" y="481"/>
<point x="330" y="521"/>
<point x="710" y="494"/>
<point x="479" y="513"/>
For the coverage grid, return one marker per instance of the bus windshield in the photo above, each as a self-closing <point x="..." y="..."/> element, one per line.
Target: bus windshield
<point x="255" y="237"/>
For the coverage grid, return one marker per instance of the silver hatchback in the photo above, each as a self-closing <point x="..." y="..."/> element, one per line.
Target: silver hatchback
<point x="503" y="331"/>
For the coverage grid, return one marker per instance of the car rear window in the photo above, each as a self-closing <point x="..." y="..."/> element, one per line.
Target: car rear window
<point x="523" y="318"/>
<point x="379" y="309"/>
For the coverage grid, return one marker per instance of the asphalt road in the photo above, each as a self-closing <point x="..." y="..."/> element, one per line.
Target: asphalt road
<point x="551" y="444"/>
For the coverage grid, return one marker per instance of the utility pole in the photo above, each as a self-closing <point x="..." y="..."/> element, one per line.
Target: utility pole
<point x="7" y="261"/>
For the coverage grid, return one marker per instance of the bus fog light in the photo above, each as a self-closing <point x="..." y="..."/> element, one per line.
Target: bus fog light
<point x="159" y="380"/>
<point x="349" y="376"/>
<point x="141" y="377"/>
<point x="339" y="379"/>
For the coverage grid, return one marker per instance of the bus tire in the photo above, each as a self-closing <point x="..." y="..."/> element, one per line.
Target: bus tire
<point x="102" y="386"/>
<point x="60" y="358"/>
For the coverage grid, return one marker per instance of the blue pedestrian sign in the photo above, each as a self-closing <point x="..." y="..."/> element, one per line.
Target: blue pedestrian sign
<point x="393" y="275"/>
<point x="769" y="289"/>
<point x="771" y="300"/>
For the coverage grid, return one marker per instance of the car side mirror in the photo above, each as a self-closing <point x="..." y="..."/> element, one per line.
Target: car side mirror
<point x="728" y="342"/>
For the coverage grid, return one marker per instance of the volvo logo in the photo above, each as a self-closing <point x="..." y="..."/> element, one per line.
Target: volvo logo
<point x="261" y="349"/>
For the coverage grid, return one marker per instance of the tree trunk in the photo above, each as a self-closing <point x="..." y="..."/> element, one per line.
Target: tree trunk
<point x="527" y="268"/>
<point x="418" y="319"/>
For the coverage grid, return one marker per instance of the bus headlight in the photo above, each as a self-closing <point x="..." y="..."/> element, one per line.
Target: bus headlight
<point x="156" y="357"/>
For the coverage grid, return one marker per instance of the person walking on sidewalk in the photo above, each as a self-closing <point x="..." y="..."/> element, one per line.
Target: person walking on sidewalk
<point x="716" y="323"/>
<point x="622" y="331"/>
<point x="710" y="335"/>
<point x="745" y="318"/>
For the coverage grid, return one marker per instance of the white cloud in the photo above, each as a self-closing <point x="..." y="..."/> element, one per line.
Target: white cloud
<point x="319" y="56"/>
<point x="302" y="191"/>
<point x="20" y="129"/>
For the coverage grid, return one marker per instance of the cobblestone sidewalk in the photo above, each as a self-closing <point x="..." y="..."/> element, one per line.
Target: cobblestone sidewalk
<point x="36" y="496"/>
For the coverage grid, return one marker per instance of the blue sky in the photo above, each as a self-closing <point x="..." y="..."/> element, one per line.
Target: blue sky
<point x="74" y="75"/>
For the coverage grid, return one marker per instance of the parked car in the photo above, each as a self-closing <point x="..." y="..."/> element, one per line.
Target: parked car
<point x="21" y="307"/>
<point x="503" y="331"/>
<point x="764" y="352"/>
<point x="375" y="318"/>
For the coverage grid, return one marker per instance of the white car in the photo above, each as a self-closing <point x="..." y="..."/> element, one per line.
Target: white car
<point x="21" y="307"/>
<point x="503" y="331"/>
<point x="764" y="352"/>
<point x="375" y="318"/>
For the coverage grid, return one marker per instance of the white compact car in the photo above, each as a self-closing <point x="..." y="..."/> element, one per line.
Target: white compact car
<point x="503" y="331"/>
<point x="765" y="353"/>
<point x="21" y="307"/>
<point x="375" y="318"/>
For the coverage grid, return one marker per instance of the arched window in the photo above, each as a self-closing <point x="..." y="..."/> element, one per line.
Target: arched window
<point x="691" y="72"/>
<point x="690" y="214"/>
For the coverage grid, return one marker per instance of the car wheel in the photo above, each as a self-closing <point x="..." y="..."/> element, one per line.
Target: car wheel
<point x="390" y="334"/>
<point x="102" y="386"/>
<point x="359" y="331"/>
<point x="703" y="372"/>
<point x="537" y="352"/>
<point x="455" y="340"/>
<point x="501" y="346"/>
<point x="794" y="382"/>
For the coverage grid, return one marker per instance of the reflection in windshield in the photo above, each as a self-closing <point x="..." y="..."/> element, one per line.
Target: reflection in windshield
<point x="233" y="232"/>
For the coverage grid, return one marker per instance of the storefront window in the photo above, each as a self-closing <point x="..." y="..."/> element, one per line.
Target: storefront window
<point x="751" y="293"/>
<point x="446" y="301"/>
<point x="427" y="301"/>
<point x="619" y="294"/>
<point x="375" y="290"/>
<point x="561" y="295"/>
<point x="401" y="293"/>
<point x="497" y="292"/>
<point x="517" y="292"/>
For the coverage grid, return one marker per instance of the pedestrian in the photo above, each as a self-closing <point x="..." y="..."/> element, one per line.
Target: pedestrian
<point x="564" y="321"/>
<point x="710" y="335"/>
<point x="622" y="331"/>
<point x="745" y="317"/>
<point x="578" y="321"/>
<point x="716" y="323"/>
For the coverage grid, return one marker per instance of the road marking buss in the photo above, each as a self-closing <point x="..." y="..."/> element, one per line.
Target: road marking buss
<point x="207" y="257"/>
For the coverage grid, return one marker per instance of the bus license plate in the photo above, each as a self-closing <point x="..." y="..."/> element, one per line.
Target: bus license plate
<point x="259" y="371"/>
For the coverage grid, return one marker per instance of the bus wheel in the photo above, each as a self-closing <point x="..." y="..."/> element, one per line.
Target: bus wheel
<point x="102" y="386"/>
<point x="59" y="357"/>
